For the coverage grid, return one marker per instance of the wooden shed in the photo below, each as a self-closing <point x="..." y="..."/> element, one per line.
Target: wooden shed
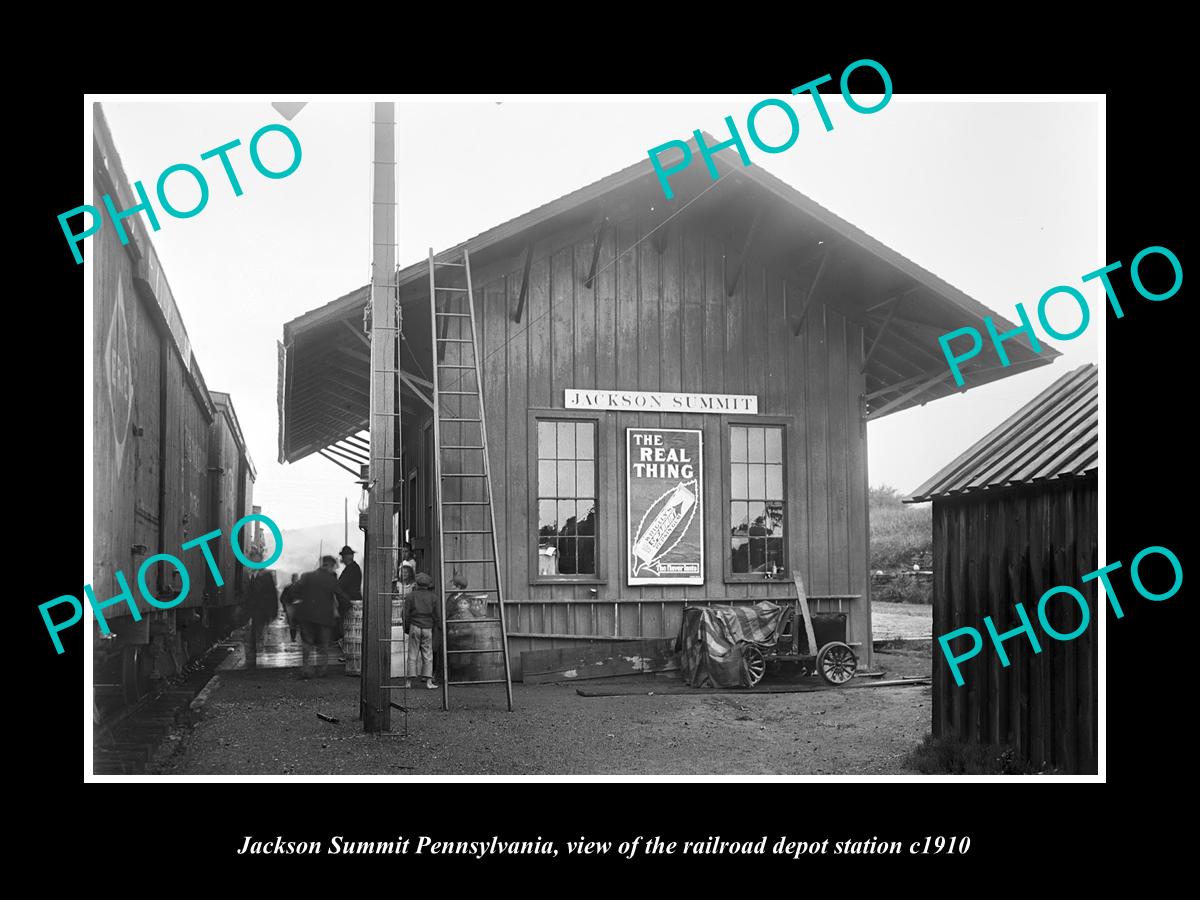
<point x="749" y="328"/>
<point x="1014" y="516"/>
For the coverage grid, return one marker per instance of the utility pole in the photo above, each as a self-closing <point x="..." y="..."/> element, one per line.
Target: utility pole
<point x="385" y="428"/>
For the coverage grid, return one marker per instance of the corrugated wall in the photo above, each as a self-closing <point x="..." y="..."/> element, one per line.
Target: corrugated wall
<point x="663" y="322"/>
<point x="990" y="552"/>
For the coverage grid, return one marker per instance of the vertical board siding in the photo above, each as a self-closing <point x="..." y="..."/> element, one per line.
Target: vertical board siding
<point x="665" y="321"/>
<point x="990" y="553"/>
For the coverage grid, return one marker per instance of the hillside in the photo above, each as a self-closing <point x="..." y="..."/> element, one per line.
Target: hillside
<point x="901" y="538"/>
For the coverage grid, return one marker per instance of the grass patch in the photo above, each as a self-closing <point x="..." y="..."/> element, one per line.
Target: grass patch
<point x="902" y="588"/>
<point x="948" y="755"/>
<point x="901" y="534"/>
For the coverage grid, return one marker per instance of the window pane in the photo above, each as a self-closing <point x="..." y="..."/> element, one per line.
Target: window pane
<point x="546" y="479"/>
<point x="585" y="440"/>
<point x="547" y="518"/>
<point x="775" y="519"/>
<point x="758" y="554"/>
<point x="585" y="516"/>
<point x="585" y="479"/>
<point x="738" y="482"/>
<point x="741" y="558"/>
<point x="566" y="516"/>
<point x="774" y="483"/>
<point x="566" y="478"/>
<point x="758" y="481"/>
<point x="775" y="445"/>
<point x="774" y="560"/>
<point x="737" y="518"/>
<point x="567" y="549"/>
<point x="586" y="557"/>
<point x="566" y="440"/>
<point x="755" y="448"/>
<point x="548" y="557"/>
<point x="757" y="514"/>
<point x="737" y="443"/>
<point x="546" y="440"/>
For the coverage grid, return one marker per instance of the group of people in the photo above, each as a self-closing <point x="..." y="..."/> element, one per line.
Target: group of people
<point x="326" y="608"/>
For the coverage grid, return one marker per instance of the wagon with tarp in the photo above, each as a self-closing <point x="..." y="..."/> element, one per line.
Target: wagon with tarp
<point x="731" y="646"/>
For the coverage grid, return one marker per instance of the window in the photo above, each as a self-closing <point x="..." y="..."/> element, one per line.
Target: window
<point x="566" y="497"/>
<point x="757" y="508"/>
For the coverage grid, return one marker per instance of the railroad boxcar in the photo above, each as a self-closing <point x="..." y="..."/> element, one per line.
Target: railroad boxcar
<point x="169" y="460"/>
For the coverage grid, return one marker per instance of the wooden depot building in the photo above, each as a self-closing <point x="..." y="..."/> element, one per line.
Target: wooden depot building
<point x="675" y="397"/>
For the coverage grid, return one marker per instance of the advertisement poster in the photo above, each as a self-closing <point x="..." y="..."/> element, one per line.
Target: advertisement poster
<point x="664" y="478"/>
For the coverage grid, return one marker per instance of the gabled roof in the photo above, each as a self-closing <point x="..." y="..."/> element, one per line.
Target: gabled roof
<point x="1055" y="435"/>
<point x="902" y="307"/>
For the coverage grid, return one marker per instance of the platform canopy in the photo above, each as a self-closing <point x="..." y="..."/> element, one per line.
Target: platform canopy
<point x="324" y="361"/>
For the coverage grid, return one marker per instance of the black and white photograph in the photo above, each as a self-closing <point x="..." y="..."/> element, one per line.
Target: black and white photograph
<point x="733" y="435"/>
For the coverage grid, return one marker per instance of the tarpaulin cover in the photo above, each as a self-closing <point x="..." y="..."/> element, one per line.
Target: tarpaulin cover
<point x="710" y="641"/>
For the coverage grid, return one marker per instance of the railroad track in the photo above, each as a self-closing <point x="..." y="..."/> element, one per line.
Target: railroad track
<point x="126" y="739"/>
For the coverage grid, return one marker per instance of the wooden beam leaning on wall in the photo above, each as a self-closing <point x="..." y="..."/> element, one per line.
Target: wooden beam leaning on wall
<point x="892" y="310"/>
<point x="600" y="226"/>
<point x="732" y="279"/>
<point x="524" y="283"/>
<point x="798" y="323"/>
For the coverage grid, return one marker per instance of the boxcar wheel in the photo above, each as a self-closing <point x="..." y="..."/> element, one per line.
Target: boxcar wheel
<point x="837" y="663"/>
<point x="135" y="677"/>
<point x="756" y="666"/>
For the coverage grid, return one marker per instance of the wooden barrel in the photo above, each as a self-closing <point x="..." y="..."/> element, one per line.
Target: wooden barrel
<point x="465" y="632"/>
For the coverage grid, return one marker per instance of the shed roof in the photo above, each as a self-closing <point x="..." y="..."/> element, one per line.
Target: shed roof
<point x="1055" y="435"/>
<point x="902" y="307"/>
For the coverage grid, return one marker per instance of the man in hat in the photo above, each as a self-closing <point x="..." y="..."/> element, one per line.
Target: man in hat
<point x="350" y="581"/>
<point x="422" y="613"/>
<point x="319" y="597"/>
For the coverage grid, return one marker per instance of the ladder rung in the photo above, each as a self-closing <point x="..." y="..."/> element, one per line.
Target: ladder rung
<point x="473" y="591"/>
<point x="444" y="531"/>
<point x="490" y="681"/>
<point x="448" y="561"/>
<point x="453" y="366"/>
<point x="448" y="419"/>
<point x="469" y="621"/>
<point x="466" y="503"/>
<point x="388" y="415"/>
<point x="497" y="650"/>
<point x="463" y="474"/>
<point x="454" y="265"/>
<point x="457" y="341"/>
<point x="464" y="393"/>
<point x="456" y="290"/>
<point x="461" y="447"/>
<point x="454" y="315"/>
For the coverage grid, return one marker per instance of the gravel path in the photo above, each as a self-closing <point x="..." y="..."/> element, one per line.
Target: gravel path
<point x="265" y="722"/>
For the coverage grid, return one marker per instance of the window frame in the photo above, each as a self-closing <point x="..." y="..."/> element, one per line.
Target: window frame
<point x="598" y="419"/>
<point x="785" y="424"/>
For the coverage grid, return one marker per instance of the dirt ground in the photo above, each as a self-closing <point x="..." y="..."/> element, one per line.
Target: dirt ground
<point x="265" y="722"/>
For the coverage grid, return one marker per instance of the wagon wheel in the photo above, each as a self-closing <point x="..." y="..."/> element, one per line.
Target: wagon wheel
<point x="837" y="663"/>
<point x="756" y="666"/>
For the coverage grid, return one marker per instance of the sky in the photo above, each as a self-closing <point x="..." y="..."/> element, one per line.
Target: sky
<point x="997" y="198"/>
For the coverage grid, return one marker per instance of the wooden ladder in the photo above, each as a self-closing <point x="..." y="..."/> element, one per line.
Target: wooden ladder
<point x="466" y="525"/>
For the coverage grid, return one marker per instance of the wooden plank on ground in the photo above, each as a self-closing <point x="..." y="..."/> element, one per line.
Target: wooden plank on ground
<point x="598" y="660"/>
